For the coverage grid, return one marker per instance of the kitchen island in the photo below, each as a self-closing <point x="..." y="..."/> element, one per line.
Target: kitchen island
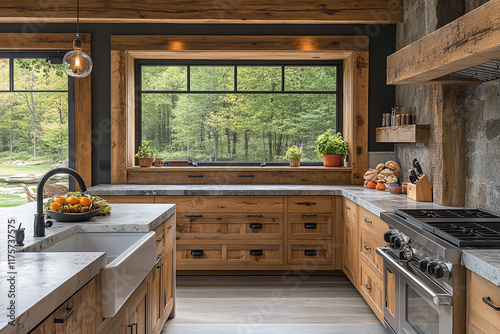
<point x="45" y="280"/>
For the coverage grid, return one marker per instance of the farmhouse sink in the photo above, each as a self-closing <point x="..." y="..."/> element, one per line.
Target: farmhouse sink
<point x="130" y="257"/>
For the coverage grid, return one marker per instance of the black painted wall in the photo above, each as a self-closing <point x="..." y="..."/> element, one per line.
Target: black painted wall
<point x="382" y="44"/>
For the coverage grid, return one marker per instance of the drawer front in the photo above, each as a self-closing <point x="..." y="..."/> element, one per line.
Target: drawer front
<point x="371" y="287"/>
<point x="367" y="248"/>
<point x="206" y="204"/>
<point x="478" y="289"/>
<point x="160" y="238"/>
<point x="350" y="210"/>
<point x="309" y="204"/>
<point x="170" y="230"/>
<point x="255" y="254"/>
<point x="372" y="223"/>
<point x="199" y="253"/>
<point x="230" y="226"/>
<point x="309" y="226"/>
<point x="310" y="253"/>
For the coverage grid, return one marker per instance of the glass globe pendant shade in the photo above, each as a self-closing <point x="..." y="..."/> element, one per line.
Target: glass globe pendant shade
<point x="77" y="63"/>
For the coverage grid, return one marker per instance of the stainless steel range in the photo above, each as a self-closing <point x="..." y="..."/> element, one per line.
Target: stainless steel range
<point x="424" y="280"/>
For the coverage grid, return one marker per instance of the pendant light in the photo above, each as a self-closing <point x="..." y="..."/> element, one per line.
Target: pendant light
<point x="77" y="63"/>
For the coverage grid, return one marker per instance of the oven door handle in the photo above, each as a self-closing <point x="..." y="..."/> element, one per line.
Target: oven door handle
<point x="437" y="298"/>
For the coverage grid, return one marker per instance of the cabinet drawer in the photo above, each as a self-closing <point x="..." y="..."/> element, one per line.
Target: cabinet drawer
<point x="371" y="288"/>
<point x="367" y="248"/>
<point x="206" y="204"/>
<point x="350" y="210"/>
<point x="372" y="223"/>
<point x="199" y="253"/>
<point x="310" y="252"/>
<point x="309" y="204"/>
<point x="230" y="226"/>
<point x="479" y="289"/>
<point x="160" y="238"/>
<point x="253" y="254"/>
<point x="309" y="226"/>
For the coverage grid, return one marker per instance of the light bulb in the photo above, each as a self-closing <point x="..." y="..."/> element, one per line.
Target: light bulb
<point x="77" y="63"/>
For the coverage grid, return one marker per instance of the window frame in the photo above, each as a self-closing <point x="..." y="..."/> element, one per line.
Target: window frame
<point x="339" y="89"/>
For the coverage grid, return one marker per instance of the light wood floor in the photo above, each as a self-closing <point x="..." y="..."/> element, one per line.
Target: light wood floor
<point x="270" y="305"/>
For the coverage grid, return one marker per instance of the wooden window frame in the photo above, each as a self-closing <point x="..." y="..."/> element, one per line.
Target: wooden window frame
<point x="352" y="50"/>
<point x="82" y="89"/>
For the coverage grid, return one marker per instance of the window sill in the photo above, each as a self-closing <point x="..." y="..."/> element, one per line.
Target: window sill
<point x="238" y="168"/>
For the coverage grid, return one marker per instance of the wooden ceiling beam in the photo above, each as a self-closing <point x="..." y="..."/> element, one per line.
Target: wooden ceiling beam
<point x="204" y="11"/>
<point x="470" y="40"/>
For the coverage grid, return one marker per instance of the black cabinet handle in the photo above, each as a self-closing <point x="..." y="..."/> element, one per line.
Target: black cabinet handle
<point x="255" y="216"/>
<point x="169" y="227"/>
<point x="310" y="252"/>
<point x="347" y="207"/>
<point x="160" y="257"/>
<point x="160" y="238"/>
<point x="131" y="328"/>
<point x="196" y="176"/>
<point x="193" y="216"/>
<point x="310" y="226"/>
<point x="367" y="248"/>
<point x="487" y="301"/>
<point x="159" y="266"/>
<point x="243" y="176"/>
<point x="69" y="313"/>
<point x="256" y="226"/>
<point x="368" y="287"/>
<point x="197" y="252"/>
<point x="368" y="221"/>
<point x="256" y="252"/>
<point x="306" y="203"/>
<point x="309" y="216"/>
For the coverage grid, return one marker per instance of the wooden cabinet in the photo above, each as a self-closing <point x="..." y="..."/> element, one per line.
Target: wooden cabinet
<point x="483" y="305"/>
<point x="79" y="314"/>
<point x="350" y="241"/>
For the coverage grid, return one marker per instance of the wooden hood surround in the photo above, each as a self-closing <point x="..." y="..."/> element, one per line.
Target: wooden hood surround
<point x="470" y="40"/>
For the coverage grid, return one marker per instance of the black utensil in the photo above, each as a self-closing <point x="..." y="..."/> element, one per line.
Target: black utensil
<point x="413" y="176"/>
<point x="417" y="166"/>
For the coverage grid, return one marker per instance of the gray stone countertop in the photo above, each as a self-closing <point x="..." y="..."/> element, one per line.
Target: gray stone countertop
<point x="45" y="280"/>
<point x="484" y="262"/>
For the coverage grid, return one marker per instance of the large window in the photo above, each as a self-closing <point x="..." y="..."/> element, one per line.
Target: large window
<point x="236" y="112"/>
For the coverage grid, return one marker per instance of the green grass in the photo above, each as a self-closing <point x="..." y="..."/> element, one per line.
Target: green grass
<point x="9" y="170"/>
<point x="11" y="200"/>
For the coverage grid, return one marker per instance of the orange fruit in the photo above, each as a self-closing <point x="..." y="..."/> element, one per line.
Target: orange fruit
<point x="85" y="201"/>
<point x="60" y="200"/>
<point x="72" y="200"/>
<point x="54" y="206"/>
<point x="380" y="186"/>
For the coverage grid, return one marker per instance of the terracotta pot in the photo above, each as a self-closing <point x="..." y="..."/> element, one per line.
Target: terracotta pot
<point x="146" y="162"/>
<point x="294" y="162"/>
<point x="332" y="160"/>
<point x="158" y="162"/>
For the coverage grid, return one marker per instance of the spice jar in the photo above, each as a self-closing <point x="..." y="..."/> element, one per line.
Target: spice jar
<point x="408" y="119"/>
<point x="383" y="120"/>
<point x="398" y="119"/>
<point x="403" y="119"/>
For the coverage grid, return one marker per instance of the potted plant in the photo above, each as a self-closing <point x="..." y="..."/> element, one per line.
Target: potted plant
<point x="333" y="148"/>
<point x="294" y="153"/>
<point x="146" y="154"/>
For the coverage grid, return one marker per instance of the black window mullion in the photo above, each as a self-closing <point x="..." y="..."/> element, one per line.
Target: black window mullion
<point x="188" y="78"/>
<point x="11" y="74"/>
<point x="282" y="78"/>
<point x="236" y="78"/>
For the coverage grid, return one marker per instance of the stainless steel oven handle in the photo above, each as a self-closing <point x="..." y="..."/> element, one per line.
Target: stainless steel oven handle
<point x="437" y="298"/>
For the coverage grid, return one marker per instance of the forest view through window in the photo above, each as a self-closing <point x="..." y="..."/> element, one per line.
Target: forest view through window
<point x="236" y="113"/>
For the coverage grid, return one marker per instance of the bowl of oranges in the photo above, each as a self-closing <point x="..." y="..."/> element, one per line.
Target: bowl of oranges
<point x="76" y="207"/>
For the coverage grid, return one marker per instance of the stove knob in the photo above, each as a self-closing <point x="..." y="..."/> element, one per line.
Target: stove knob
<point x="399" y="242"/>
<point x="406" y="254"/>
<point x="423" y="265"/>
<point x="387" y="236"/>
<point x="431" y="268"/>
<point x="439" y="271"/>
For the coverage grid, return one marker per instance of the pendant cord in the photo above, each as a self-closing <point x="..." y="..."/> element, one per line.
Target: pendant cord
<point x="77" y="18"/>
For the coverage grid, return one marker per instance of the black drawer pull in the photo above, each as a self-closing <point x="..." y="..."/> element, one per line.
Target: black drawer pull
<point x="310" y="252"/>
<point x="159" y="266"/>
<point x="256" y="226"/>
<point x="197" y="252"/>
<point x="255" y="216"/>
<point x="193" y="216"/>
<point x="308" y="216"/>
<point x="368" y="287"/>
<point x="368" y="221"/>
<point x="196" y="176"/>
<point x="242" y="176"/>
<point x="306" y="203"/>
<point x="487" y="301"/>
<point x="69" y="313"/>
<point x="310" y="226"/>
<point x="347" y="207"/>
<point x="169" y="227"/>
<point x="256" y="252"/>
<point x="160" y="238"/>
<point x="158" y="259"/>
<point x="367" y="248"/>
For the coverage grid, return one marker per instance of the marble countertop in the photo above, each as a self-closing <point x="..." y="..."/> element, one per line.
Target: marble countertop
<point x="45" y="280"/>
<point x="484" y="262"/>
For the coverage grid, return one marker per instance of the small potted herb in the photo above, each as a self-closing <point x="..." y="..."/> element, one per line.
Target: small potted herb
<point x="333" y="148"/>
<point x="294" y="153"/>
<point x="146" y="154"/>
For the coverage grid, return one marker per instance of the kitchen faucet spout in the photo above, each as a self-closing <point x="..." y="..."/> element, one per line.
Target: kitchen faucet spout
<point x="39" y="216"/>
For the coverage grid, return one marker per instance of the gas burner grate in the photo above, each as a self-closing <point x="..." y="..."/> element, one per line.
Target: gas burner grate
<point x="443" y="213"/>
<point x="463" y="234"/>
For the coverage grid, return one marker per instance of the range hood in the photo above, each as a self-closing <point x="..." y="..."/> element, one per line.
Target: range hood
<point x="464" y="51"/>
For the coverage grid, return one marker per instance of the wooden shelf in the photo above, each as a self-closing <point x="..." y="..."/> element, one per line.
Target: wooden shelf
<point x="415" y="133"/>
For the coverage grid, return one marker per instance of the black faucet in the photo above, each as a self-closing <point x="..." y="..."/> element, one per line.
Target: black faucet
<point x="39" y="215"/>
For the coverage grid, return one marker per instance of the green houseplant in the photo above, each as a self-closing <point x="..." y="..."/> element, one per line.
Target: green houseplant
<point x="146" y="154"/>
<point x="333" y="148"/>
<point x="294" y="153"/>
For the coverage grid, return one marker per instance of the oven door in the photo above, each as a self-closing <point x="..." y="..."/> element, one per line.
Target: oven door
<point x="421" y="306"/>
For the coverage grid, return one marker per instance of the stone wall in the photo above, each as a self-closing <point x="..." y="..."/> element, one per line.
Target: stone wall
<point x="479" y="109"/>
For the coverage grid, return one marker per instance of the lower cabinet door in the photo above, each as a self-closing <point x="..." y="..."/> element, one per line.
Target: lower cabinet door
<point x="371" y="288"/>
<point x="137" y="321"/>
<point x="156" y="296"/>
